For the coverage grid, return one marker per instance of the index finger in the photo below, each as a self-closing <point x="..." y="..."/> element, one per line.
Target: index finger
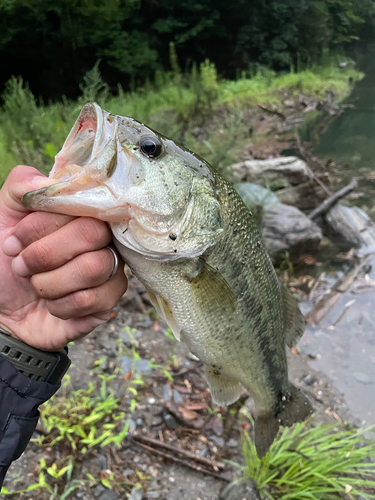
<point x="81" y="235"/>
<point x="33" y="227"/>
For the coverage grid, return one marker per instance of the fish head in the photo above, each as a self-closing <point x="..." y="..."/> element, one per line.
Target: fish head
<point x="159" y="198"/>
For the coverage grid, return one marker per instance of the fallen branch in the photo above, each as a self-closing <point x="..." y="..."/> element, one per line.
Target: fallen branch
<point x="198" y="458"/>
<point x="329" y="202"/>
<point x="181" y="461"/>
<point x="309" y="160"/>
<point x="329" y="299"/>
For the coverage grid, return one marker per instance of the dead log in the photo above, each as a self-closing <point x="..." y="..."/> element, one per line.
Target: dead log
<point x="329" y="202"/>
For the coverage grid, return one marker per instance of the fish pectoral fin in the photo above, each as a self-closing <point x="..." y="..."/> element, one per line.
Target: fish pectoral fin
<point x="294" y="320"/>
<point x="163" y="309"/>
<point x="224" y="391"/>
<point x="212" y="291"/>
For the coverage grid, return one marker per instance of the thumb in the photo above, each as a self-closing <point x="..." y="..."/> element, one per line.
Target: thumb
<point x="21" y="180"/>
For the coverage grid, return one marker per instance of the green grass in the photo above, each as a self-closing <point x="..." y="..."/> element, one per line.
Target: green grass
<point x="7" y="159"/>
<point x="320" y="463"/>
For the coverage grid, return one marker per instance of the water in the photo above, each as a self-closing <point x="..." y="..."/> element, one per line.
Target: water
<point x="350" y="138"/>
<point x="343" y="344"/>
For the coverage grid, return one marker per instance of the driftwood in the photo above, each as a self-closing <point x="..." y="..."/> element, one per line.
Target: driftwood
<point x="198" y="458"/>
<point x="329" y="202"/>
<point x="180" y="461"/>
<point x="305" y="196"/>
<point x="332" y="296"/>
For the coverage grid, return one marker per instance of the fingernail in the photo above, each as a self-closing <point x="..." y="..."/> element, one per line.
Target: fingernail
<point x="19" y="267"/>
<point x="12" y="246"/>
<point x="40" y="181"/>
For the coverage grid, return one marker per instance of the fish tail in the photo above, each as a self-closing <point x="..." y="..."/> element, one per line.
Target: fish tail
<point x="292" y="407"/>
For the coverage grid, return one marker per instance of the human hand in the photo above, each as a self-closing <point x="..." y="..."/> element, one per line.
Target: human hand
<point x="54" y="269"/>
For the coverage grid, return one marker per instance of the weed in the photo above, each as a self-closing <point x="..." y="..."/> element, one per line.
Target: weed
<point x="322" y="463"/>
<point x="85" y="419"/>
<point x="286" y="266"/>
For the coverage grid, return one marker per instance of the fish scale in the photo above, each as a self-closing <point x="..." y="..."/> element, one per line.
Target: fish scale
<point x="186" y="234"/>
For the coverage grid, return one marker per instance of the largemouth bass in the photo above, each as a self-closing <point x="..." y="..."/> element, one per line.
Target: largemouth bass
<point x="186" y="234"/>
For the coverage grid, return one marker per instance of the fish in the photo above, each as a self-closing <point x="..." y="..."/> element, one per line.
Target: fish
<point x="188" y="237"/>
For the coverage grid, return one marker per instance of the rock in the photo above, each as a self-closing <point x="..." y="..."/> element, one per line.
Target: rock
<point x="170" y="421"/>
<point x="240" y="490"/>
<point x="286" y="228"/>
<point x="309" y="350"/>
<point x="215" y="425"/>
<point x="309" y="379"/>
<point x="275" y="172"/>
<point x="136" y="494"/>
<point x="177" y="397"/>
<point x="217" y="440"/>
<point x="167" y="392"/>
<point x="305" y="196"/>
<point x="232" y="443"/>
<point x="153" y="494"/>
<point x="362" y="378"/>
<point x="256" y="197"/>
<point x="98" y="490"/>
<point x="127" y="336"/>
<point x="350" y="226"/>
<point x="132" y="425"/>
<point x="141" y="365"/>
<point x="109" y="495"/>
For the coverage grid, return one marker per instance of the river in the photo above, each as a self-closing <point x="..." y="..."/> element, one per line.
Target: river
<point x="343" y="344"/>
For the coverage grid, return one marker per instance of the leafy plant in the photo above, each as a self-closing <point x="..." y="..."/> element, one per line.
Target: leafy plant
<point x="85" y="419"/>
<point x="320" y="463"/>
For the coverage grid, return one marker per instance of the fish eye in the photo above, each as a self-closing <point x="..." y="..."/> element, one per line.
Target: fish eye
<point x="150" y="146"/>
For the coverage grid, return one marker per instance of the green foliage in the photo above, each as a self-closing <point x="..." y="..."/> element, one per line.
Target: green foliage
<point x="32" y="132"/>
<point x="85" y="419"/>
<point x="322" y="463"/>
<point x="64" y="473"/>
<point x="134" y="38"/>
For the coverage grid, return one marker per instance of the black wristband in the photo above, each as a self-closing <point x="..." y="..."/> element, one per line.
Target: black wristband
<point x="34" y="363"/>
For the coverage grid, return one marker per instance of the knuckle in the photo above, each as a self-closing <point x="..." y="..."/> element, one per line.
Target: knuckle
<point x="56" y="309"/>
<point x="39" y="255"/>
<point x="37" y="223"/>
<point x="92" y="230"/>
<point x="83" y="300"/>
<point x="96" y="264"/>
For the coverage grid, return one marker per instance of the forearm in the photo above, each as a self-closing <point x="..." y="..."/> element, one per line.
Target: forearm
<point x="20" y="398"/>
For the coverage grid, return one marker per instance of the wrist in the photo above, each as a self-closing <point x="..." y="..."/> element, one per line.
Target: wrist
<point x="34" y="363"/>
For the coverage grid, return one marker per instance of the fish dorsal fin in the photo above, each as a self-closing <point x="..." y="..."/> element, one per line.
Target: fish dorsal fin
<point x="211" y="290"/>
<point x="294" y="320"/>
<point x="163" y="309"/>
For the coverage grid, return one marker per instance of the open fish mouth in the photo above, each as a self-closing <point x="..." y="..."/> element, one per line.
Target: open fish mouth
<point x="86" y="155"/>
<point x="83" y="167"/>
